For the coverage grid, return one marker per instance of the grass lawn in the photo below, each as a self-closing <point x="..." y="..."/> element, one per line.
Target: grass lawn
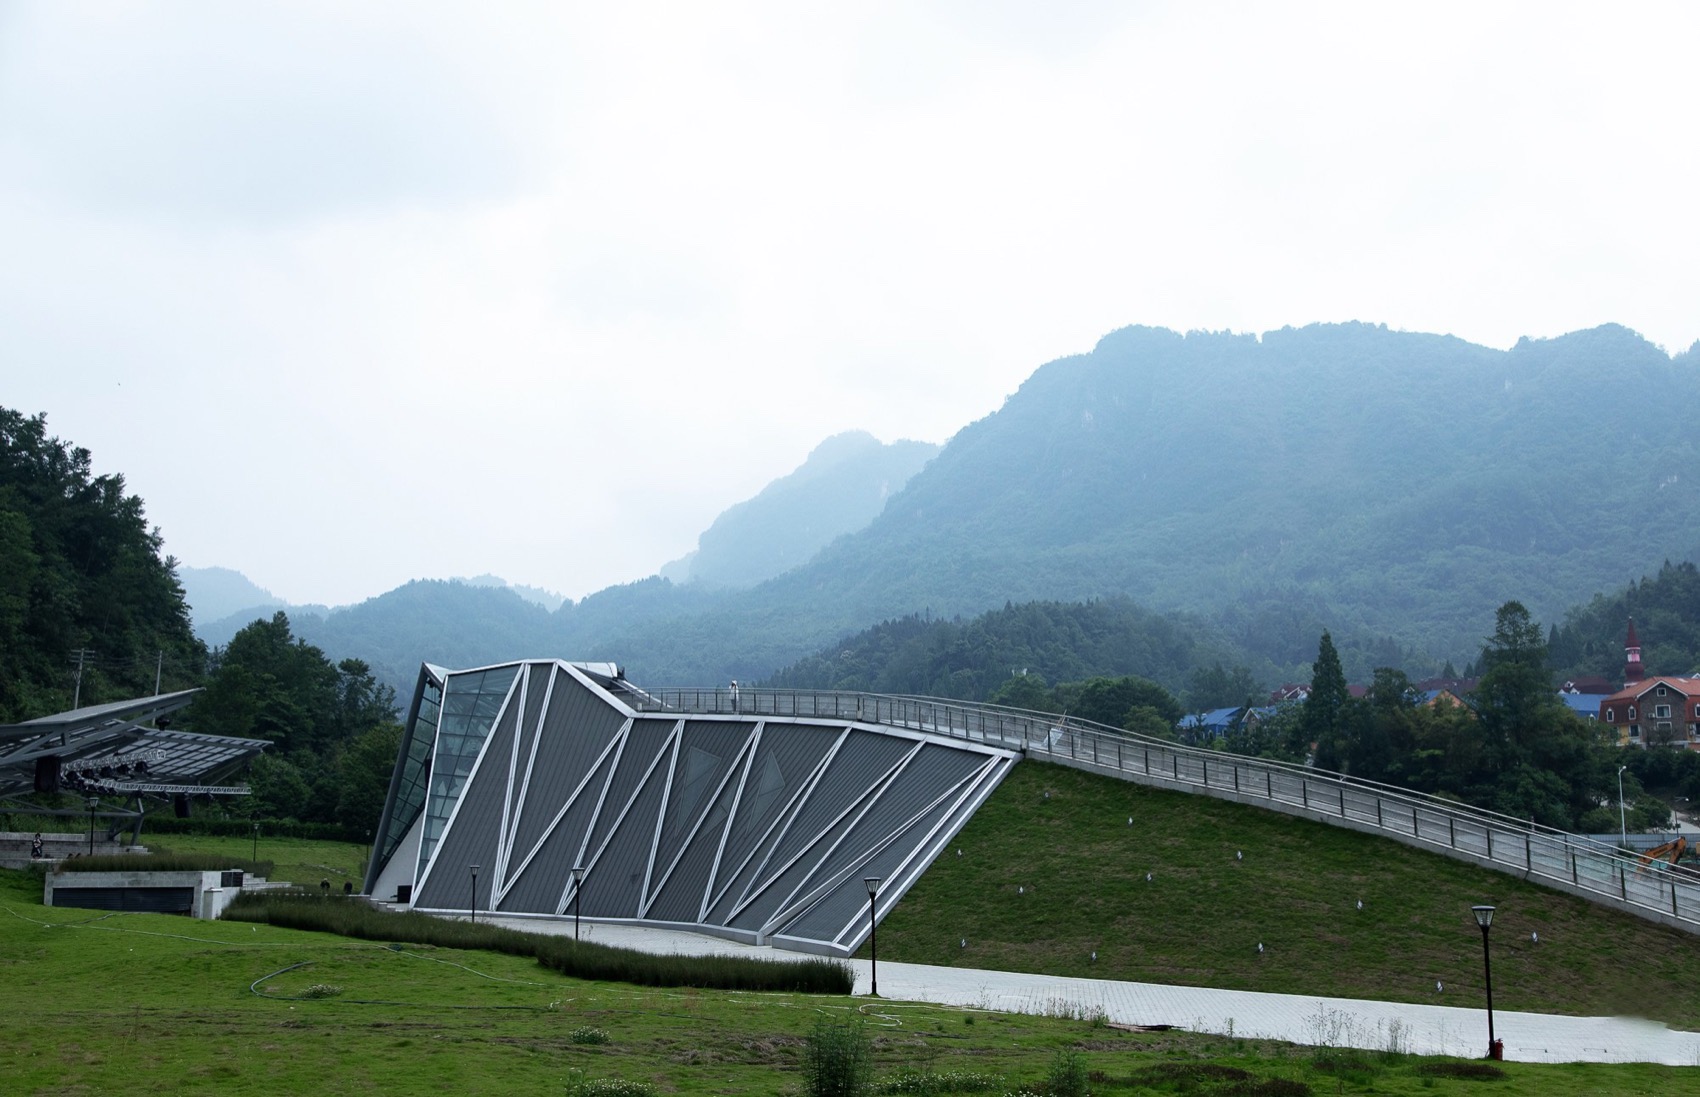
<point x="137" y="1004"/>
<point x="1042" y="883"/>
<point x="303" y="861"/>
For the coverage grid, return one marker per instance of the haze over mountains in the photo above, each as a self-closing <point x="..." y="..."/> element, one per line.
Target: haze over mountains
<point x="1393" y="487"/>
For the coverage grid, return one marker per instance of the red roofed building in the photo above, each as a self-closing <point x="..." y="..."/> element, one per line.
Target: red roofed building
<point x="1655" y="711"/>
<point x="1652" y="711"/>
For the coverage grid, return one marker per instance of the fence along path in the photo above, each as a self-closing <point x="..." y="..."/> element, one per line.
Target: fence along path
<point x="1568" y="862"/>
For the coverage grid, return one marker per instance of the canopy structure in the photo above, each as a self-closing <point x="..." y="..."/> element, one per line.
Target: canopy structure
<point x="121" y="748"/>
<point x="552" y="789"/>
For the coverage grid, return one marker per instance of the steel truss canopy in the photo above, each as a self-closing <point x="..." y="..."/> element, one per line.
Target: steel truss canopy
<point x="754" y="826"/>
<point x="111" y="749"/>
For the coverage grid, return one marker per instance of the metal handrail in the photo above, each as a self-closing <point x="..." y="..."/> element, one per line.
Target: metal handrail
<point x="1575" y="862"/>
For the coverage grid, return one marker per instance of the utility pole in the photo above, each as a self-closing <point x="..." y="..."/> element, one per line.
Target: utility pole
<point x="158" y="666"/>
<point x="77" y="693"/>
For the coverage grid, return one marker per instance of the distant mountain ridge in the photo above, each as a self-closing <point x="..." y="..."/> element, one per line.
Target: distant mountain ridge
<point x="1393" y="487"/>
<point x="839" y="489"/>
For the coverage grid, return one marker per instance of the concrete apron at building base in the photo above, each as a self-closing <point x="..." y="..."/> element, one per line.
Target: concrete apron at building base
<point x="1301" y="1019"/>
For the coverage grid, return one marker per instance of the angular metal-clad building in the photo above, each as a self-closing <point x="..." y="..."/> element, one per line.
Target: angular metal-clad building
<point x="689" y="811"/>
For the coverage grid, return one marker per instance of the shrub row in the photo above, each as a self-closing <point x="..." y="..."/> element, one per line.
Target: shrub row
<point x="580" y="960"/>
<point x="242" y="828"/>
<point x="164" y="861"/>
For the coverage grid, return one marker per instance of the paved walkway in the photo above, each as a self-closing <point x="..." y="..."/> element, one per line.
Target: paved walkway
<point x="1302" y="1019"/>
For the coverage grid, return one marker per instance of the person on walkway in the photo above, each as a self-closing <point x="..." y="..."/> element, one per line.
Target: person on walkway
<point x="734" y="695"/>
<point x="36" y="853"/>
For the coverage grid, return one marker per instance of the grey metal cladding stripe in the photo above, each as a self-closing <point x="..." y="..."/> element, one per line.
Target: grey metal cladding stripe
<point x="474" y="826"/>
<point x="788" y="757"/>
<point x="541" y="688"/>
<point x="865" y="762"/>
<point x="795" y="796"/>
<point x="670" y="851"/>
<point x="838" y="905"/>
<point x="768" y="894"/>
<point x="667" y="795"/>
<point x="738" y="781"/>
<point x="582" y="802"/>
<point x="614" y="886"/>
<point x="539" y="680"/>
<point x="931" y="773"/>
<point x="510" y="791"/>
<point x="815" y="855"/>
<point x="645" y="743"/>
<point x="706" y="756"/>
<point x="535" y="887"/>
<point x="577" y="727"/>
<point x="927" y="780"/>
<point x="886" y="843"/>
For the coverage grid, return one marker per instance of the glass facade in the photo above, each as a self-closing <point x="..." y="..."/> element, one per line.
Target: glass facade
<point x="415" y="770"/>
<point x="469" y="708"/>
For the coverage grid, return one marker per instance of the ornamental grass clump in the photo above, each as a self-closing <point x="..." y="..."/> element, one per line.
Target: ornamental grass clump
<point x="838" y="1060"/>
<point x="353" y="917"/>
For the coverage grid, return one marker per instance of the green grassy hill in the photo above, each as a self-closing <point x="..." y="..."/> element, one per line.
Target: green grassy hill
<point x="102" y="1003"/>
<point x="1043" y="883"/>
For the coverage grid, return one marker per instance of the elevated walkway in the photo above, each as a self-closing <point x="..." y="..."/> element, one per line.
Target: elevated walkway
<point x="1575" y="864"/>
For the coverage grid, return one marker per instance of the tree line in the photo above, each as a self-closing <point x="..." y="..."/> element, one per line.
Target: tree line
<point x="91" y="611"/>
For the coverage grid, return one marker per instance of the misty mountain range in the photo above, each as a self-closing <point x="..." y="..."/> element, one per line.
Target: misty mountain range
<point x="1393" y="487"/>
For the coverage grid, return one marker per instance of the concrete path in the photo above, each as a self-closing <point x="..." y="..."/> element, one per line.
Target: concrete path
<point x="1302" y="1019"/>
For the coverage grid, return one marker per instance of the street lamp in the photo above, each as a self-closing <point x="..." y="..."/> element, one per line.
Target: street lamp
<point x="94" y="802"/>
<point x="1484" y="918"/>
<point x="872" y="883"/>
<point x="1622" y="824"/>
<point x="578" y="889"/>
<point x="475" y="893"/>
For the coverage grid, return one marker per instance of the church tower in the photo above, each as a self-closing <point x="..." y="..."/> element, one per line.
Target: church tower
<point x="1631" y="658"/>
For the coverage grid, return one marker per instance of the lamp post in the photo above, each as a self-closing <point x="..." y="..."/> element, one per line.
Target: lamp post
<point x="256" y="856"/>
<point x="475" y="893"/>
<point x="1484" y="918"/>
<point x="1622" y="823"/>
<point x="578" y="889"/>
<point x="872" y="883"/>
<point x="94" y="802"/>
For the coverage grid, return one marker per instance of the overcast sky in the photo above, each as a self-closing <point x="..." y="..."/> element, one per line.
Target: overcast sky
<point x="358" y="293"/>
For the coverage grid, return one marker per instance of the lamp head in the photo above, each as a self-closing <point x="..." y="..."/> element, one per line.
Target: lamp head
<point x="1484" y="915"/>
<point x="475" y="870"/>
<point x="872" y="883"/>
<point x="578" y="874"/>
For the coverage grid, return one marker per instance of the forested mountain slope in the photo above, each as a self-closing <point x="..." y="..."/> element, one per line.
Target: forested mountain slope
<point x="1393" y="487"/>
<point x="85" y="586"/>
<point x="1391" y="483"/>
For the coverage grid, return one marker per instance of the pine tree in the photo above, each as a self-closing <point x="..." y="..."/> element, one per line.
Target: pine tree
<point x="1322" y="718"/>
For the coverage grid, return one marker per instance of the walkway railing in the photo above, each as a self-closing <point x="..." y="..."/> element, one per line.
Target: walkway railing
<point x="1575" y="863"/>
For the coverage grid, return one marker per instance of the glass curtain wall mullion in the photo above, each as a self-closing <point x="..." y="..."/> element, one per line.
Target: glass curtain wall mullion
<point x="470" y="705"/>
<point x="407" y="799"/>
